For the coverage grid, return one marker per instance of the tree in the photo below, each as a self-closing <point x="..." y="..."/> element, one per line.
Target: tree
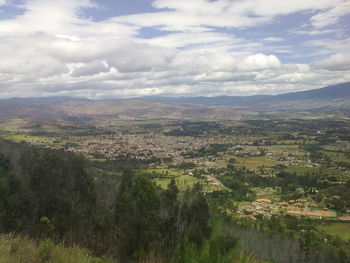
<point x="4" y="164"/>
<point x="136" y="216"/>
<point x="194" y="214"/>
<point x="169" y="214"/>
<point x="15" y="203"/>
<point x="62" y="189"/>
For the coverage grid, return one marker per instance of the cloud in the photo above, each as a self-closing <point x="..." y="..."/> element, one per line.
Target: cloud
<point x="314" y="32"/>
<point x="133" y="57"/>
<point x="329" y="46"/>
<point x="339" y="61"/>
<point x="182" y="14"/>
<point x="331" y="16"/>
<point x="65" y="18"/>
<point x="185" y="39"/>
<point x="259" y="62"/>
<point x="273" y="39"/>
<point x="203" y="48"/>
<point x="88" y="69"/>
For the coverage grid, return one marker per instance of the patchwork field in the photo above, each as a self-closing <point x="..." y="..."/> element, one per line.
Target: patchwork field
<point x="255" y="161"/>
<point x="341" y="230"/>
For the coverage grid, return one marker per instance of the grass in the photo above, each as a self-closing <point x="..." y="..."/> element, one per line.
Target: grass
<point x="13" y="125"/>
<point x="242" y="203"/>
<point x="14" y="249"/>
<point x="267" y="193"/>
<point x="170" y="172"/>
<point x="274" y="197"/>
<point x="286" y="148"/>
<point x="339" y="157"/>
<point x="23" y="137"/>
<point x="182" y="181"/>
<point x="254" y="162"/>
<point x="341" y="230"/>
<point x="23" y="250"/>
<point x="99" y="160"/>
<point x="302" y="169"/>
<point x="211" y="187"/>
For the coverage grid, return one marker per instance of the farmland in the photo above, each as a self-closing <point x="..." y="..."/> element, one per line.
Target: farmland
<point x="255" y="171"/>
<point x="341" y="230"/>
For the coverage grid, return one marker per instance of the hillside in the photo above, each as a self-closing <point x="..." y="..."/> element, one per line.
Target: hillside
<point x="330" y="93"/>
<point x="338" y="91"/>
<point x="20" y="249"/>
<point x="327" y="99"/>
<point x="129" y="108"/>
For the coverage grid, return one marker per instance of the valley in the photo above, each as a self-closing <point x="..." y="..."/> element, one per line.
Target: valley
<point x="280" y="173"/>
<point x="260" y="153"/>
<point x="163" y="131"/>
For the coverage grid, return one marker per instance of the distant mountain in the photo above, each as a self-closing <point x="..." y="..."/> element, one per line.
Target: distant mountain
<point x="82" y="110"/>
<point x="138" y="109"/>
<point x="42" y="101"/>
<point x="328" y="99"/>
<point x="339" y="91"/>
<point x="34" y="108"/>
<point x="210" y="101"/>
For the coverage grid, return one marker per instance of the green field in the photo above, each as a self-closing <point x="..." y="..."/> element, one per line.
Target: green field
<point x="341" y="230"/>
<point x="301" y="169"/>
<point x="286" y="148"/>
<point x="13" y="125"/>
<point x="267" y="193"/>
<point x="254" y="162"/>
<point x="170" y="172"/>
<point x="182" y="181"/>
<point x="23" y="137"/>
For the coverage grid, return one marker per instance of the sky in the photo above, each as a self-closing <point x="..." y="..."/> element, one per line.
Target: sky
<point x="102" y="49"/>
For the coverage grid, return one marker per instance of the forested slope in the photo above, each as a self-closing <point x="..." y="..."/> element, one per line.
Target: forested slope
<point x="49" y="194"/>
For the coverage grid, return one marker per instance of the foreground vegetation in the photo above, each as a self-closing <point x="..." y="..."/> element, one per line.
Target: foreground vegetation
<point x="20" y="249"/>
<point x="49" y="195"/>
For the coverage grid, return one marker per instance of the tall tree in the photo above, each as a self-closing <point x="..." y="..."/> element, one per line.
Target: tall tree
<point x="137" y="216"/>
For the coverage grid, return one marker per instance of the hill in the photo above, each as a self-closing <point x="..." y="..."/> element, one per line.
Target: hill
<point x="328" y="99"/>
<point x="339" y="91"/>
<point x="20" y="249"/>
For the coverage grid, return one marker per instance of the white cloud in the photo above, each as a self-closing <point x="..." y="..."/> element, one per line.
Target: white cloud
<point x="52" y="48"/>
<point x="133" y="57"/>
<point x="273" y="39"/>
<point x="339" y="61"/>
<point x="259" y="62"/>
<point x="312" y="32"/>
<point x="88" y="69"/>
<point x="183" y="14"/>
<point x="177" y="40"/>
<point x="331" y="16"/>
<point x="63" y="17"/>
<point x="329" y="46"/>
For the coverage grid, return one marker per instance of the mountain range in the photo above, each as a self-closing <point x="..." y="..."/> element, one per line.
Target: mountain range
<point x="327" y="99"/>
<point x="339" y="91"/>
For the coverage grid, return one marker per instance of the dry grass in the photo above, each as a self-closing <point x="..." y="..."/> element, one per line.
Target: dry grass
<point x="23" y="250"/>
<point x="244" y="257"/>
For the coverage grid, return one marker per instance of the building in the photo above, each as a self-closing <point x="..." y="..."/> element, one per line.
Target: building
<point x="312" y="214"/>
